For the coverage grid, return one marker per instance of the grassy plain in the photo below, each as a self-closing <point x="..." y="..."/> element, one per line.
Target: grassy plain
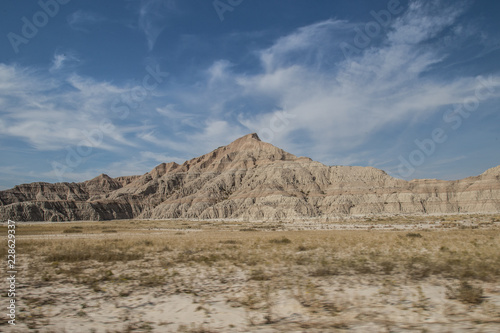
<point x="411" y="274"/>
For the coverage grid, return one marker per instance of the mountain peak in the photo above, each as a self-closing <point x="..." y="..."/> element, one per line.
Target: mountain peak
<point x="252" y="144"/>
<point x="253" y="136"/>
<point x="249" y="137"/>
<point x="100" y="178"/>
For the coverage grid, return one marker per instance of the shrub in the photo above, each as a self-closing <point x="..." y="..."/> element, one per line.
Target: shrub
<point x="387" y="266"/>
<point x="92" y="254"/>
<point x="230" y="241"/>
<point x="72" y="231"/>
<point x="259" y="275"/>
<point x="324" y="271"/>
<point x="282" y="240"/>
<point x="467" y="293"/>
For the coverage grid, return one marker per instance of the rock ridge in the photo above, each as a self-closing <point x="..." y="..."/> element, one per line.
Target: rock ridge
<point x="252" y="180"/>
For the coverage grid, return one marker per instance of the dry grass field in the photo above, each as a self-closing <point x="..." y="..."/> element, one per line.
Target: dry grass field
<point x="411" y="274"/>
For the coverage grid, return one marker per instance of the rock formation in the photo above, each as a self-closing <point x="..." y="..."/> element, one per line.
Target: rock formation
<point x="251" y="180"/>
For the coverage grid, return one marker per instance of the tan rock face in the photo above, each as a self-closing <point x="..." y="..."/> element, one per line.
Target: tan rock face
<point x="253" y="180"/>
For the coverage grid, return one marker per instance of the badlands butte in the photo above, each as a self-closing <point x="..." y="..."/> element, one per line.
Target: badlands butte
<point x="254" y="181"/>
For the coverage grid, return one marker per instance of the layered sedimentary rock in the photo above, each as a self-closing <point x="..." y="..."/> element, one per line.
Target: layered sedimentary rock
<point x="253" y="180"/>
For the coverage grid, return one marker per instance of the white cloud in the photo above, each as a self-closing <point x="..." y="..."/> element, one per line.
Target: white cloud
<point x="153" y="16"/>
<point x="81" y="20"/>
<point x="219" y="71"/>
<point x="313" y="44"/>
<point x="63" y="60"/>
<point x="344" y="107"/>
<point x="335" y="106"/>
<point x="212" y="134"/>
<point x="215" y="133"/>
<point x="424" y="20"/>
<point x="140" y="164"/>
<point x="58" y="61"/>
<point x="384" y="85"/>
<point x="176" y="117"/>
<point x="51" y="113"/>
<point x="165" y="141"/>
<point x="160" y="158"/>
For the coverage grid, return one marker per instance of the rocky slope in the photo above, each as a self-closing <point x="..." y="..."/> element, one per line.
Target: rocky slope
<point x="252" y="180"/>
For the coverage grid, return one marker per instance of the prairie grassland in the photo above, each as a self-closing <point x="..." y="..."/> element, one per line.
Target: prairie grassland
<point x="195" y="276"/>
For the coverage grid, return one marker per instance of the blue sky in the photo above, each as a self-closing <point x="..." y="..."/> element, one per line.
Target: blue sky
<point x="119" y="86"/>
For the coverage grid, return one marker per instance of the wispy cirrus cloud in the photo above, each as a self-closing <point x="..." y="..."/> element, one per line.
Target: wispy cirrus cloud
<point x="300" y="92"/>
<point x="388" y="84"/>
<point x="159" y="157"/>
<point x="424" y="20"/>
<point x="83" y="20"/>
<point x="51" y="112"/>
<point x="153" y="18"/>
<point x="64" y="60"/>
<point x="314" y="45"/>
<point x="338" y="106"/>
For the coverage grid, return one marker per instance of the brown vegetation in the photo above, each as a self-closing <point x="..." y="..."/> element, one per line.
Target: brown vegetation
<point x="265" y="273"/>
